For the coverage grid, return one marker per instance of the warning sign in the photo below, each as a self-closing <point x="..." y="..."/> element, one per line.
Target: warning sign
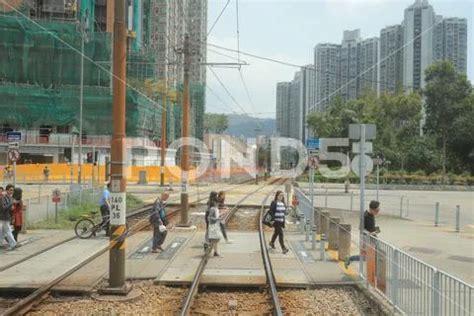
<point x="118" y="208"/>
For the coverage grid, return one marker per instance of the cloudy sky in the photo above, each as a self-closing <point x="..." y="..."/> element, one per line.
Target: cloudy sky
<point x="288" y="30"/>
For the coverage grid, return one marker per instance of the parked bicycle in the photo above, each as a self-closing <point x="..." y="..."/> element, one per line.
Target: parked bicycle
<point x="86" y="227"/>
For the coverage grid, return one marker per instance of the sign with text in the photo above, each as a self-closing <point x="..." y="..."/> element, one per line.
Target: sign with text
<point x="312" y="143"/>
<point x="118" y="208"/>
<point x="13" y="136"/>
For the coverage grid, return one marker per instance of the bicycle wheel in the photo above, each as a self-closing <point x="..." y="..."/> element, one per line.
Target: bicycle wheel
<point x="84" y="228"/>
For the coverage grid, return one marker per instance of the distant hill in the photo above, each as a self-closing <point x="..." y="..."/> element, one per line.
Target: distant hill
<point x="244" y="125"/>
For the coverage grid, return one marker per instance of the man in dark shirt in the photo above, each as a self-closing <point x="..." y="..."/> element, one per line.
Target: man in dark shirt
<point x="369" y="226"/>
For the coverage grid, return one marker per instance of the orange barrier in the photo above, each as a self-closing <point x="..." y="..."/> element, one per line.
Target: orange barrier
<point x="63" y="172"/>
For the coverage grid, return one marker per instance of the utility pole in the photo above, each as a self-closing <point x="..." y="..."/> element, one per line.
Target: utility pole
<point x="185" y="135"/>
<point x="362" y="170"/>
<point x="163" y="135"/>
<point x="118" y="181"/>
<point x="81" y="99"/>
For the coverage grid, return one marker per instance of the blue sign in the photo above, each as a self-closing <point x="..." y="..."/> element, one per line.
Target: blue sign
<point x="13" y="136"/>
<point x="312" y="143"/>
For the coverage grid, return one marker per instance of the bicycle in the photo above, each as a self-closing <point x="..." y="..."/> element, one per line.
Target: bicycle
<point x="86" y="227"/>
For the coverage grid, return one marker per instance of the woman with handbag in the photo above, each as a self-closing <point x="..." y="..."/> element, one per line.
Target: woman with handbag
<point x="214" y="229"/>
<point x="278" y="211"/>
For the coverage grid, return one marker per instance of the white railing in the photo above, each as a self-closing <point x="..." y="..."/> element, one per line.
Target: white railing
<point x="411" y="285"/>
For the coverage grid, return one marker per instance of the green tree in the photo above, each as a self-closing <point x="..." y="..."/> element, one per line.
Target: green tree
<point x="447" y="93"/>
<point x="215" y="123"/>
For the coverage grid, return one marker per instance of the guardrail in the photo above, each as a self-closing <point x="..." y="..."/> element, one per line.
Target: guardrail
<point x="413" y="286"/>
<point x="409" y="284"/>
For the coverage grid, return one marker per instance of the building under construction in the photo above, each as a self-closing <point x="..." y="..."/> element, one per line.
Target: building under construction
<point x="40" y="75"/>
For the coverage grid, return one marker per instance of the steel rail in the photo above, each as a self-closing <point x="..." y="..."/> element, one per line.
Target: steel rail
<point x="193" y="290"/>
<point x="267" y="262"/>
<point x="26" y="304"/>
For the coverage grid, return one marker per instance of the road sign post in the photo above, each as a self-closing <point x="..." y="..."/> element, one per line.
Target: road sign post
<point x="56" y="200"/>
<point x="362" y="132"/>
<point x="13" y="156"/>
<point x="313" y="165"/>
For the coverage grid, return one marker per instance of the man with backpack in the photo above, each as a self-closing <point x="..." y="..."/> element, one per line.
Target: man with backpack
<point x="6" y="204"/>
<point x="159" y="222"/>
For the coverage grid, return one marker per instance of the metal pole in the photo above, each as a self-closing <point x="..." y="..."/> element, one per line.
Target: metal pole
<point x="81" y="101"/>
<point x="56" y="212"/>
<point x="408" y="208"/>
<point x="377" y="182"/>
<point x="352" y="200"/>
<point x="14" y="173"/>
<point x="362" y="192"/>
<point x="118" y="149"/>
<point x="436" y="223"/>
<point x="401" y="207"/>
<point x="458" y="218"/>
<point x="163" y="137"/>
<point x="313" y="237"/>
<point x="326" y="199"/>
<point x="185" y="134"/>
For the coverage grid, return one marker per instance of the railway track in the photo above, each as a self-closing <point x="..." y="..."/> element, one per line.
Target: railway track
<point x="194" y="288"/>
<point x="137" y="220"/>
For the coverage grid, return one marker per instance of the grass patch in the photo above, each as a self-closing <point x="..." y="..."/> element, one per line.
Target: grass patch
<point x="68" y="218"/>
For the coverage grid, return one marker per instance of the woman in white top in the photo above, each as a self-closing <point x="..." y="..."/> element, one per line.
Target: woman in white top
<point x="214" y="230"/>
<point x="278" y="211"/>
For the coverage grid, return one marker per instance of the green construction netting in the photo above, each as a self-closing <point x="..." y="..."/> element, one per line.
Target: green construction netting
<point x="29" y="106"/>
<point x="40" y="73"/>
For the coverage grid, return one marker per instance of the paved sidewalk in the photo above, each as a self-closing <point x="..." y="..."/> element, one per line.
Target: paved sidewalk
<point x="440" y="247"/>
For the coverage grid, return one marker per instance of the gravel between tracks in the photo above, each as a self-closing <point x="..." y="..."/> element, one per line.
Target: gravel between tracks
<point x="326" y="301"/>
<point x="155" y="300"/>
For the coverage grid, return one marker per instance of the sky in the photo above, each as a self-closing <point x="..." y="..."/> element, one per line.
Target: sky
<point x="288" y="30"/>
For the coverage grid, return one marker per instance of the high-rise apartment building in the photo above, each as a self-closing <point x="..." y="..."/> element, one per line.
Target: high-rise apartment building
<point x="391" y="59"/>
<point x="349" y="65"/>
<point x="328" y="80"/>
<point x="418" y="42"/>
<point x="451" y="42"/>
<point x="173" y="19"/>
<point x="296" y="110"/>
<point x="309" y="95"/>
<point x="368" y="76"/>
<point x="283" y="108"/>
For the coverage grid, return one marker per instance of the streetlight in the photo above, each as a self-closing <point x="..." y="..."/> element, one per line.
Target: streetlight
<point x="83" y="28"/>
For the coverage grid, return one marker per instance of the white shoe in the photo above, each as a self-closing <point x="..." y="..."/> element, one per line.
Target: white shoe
<point x="229" y="241"/>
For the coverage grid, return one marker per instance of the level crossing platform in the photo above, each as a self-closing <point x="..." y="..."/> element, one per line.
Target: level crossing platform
<point x="241" y="264"/>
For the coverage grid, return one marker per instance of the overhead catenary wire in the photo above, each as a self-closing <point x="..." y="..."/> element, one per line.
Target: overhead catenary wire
<point x="218" y="18"/>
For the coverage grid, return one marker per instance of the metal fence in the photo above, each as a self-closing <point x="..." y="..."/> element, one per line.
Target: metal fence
<point x="43" y="208"/>
<point x="411" y="285"/>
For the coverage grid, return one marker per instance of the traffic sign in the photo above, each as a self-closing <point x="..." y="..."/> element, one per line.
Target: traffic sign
<point x="56" y="199"/>
<point x="313" y="162"/>
<point x="13" y="145"/>
<point x="356" y="147"/>
<point x="56" y="193"/>
<point x="377" y="161"/>
<point x="370" y="131"/>
<point x="312" y="143"/>
<point x="13" y="136"/>
<point x="13" y="154"/>
<point x="369" y="165"/>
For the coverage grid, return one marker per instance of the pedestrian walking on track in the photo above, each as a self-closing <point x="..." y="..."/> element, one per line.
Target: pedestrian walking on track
<point x="278" y="212"/>
<point x="104" y="205"/>
<point x="17" y="212"/>
<point x="6" y="205"/>
<point x="159" y="222"/>
<point x="214" y="233"/>
<point x="223" y="209"/>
